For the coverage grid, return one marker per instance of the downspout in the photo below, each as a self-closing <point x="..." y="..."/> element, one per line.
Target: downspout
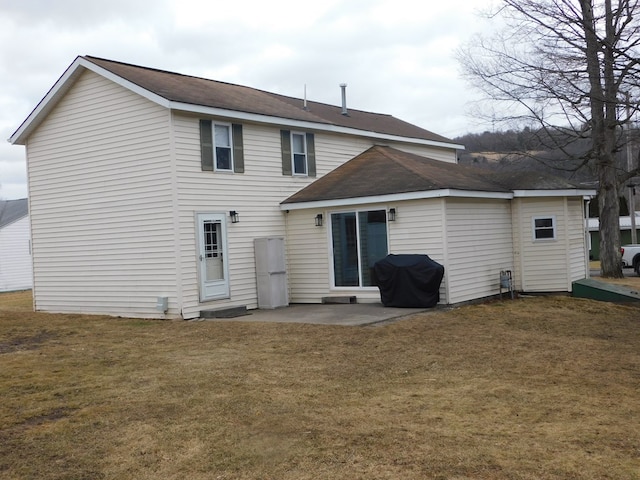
<point x="587" y="236"/>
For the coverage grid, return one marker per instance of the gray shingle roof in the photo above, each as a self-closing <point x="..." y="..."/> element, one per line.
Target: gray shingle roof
<point x="12" y="210"/>
<point x="386" y="171"/>
<point x="200" y="91"/>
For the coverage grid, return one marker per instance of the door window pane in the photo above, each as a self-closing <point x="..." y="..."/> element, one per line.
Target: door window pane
<point x="345" y="249"/>
<point x="373" y="242"/>
<point x="212" y="251"/>
<point x="359" y="241"/>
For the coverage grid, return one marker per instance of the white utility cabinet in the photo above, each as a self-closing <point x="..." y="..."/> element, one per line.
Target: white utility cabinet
<point x="271" y="272"/>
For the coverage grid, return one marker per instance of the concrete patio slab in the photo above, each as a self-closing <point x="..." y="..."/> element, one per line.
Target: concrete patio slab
<point x="331" y="314"/>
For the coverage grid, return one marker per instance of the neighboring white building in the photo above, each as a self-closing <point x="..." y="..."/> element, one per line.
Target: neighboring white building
<point x="15" y="251"/>
<point x="148" y="189"/>
<point x="625" y="233"/>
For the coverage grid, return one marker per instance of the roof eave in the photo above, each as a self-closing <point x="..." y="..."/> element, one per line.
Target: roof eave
<point x="60" y="88"/>
<point x="304" y="124"/>
<point x="14" y="220"/>
<point x="554" y="193"/>
<point x="395" y="197"/>
<point x="81" y="64"/>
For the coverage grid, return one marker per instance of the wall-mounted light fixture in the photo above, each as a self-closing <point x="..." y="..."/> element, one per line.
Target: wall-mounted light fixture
<point x="392" y="215"/>
<point x="319" y="220"/>
<point x="235" y="218"/>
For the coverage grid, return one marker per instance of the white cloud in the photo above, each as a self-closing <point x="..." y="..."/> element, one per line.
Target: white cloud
<point x="395" y="55"/>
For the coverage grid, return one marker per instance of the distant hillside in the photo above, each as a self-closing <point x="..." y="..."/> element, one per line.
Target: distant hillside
<point x="527" y="150"/>
<point x="531" y="151"/>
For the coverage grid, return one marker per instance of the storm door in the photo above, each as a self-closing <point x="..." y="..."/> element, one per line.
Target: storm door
<point x="212" y="257"/>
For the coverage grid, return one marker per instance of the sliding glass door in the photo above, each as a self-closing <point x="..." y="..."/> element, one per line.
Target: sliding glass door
<point x="359" y="240"/>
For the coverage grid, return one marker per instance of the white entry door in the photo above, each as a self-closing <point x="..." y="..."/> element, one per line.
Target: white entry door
<point x="212" y="256"/>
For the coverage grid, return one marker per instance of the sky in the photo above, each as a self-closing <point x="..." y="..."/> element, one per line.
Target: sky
<point x="396" y="56"/>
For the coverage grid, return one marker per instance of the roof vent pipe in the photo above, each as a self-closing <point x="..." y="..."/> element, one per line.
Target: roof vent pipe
<point x="343" y="86"/>
<point x="304" y="104"/>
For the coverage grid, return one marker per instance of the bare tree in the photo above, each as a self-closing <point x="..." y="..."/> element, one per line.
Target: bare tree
<point x="565" y="68"/>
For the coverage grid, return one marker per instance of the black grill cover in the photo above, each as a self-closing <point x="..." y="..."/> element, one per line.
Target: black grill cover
<point x="408" y="280"/>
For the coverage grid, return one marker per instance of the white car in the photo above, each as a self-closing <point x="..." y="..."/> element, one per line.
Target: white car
<point x="631" y="257"/>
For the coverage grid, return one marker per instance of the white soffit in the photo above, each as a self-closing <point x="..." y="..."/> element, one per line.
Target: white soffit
<point x="395" y="197"/>
<point x="553" y="193"/>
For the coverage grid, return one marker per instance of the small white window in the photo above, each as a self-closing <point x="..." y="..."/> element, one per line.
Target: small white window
<point x="223" y="159"/>
<point x="544" y="228"/>
<point x="299" y="153"/>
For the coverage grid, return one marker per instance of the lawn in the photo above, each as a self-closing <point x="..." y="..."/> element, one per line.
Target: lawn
<point x="536" y="388"/>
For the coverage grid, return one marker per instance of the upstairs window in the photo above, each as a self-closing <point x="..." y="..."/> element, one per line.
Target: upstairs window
<point x="221" y="147"/>
<point x="223" y="153"/>
<point x="544" y="228"/>
<point x="298" y="153"/>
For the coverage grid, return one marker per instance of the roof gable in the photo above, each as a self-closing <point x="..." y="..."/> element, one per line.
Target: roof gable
<point x="188" y="93"/>
<point x="382" y="170"/>
<point x="12" y="210"/>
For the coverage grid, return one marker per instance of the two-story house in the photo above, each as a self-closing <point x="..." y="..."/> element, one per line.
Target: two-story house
<point x="148" y="189"/>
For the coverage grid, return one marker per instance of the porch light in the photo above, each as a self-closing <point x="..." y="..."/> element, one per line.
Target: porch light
<point x="319" y="220"/>
<point x="392" y="215"/>
<point x="235" y="218"/>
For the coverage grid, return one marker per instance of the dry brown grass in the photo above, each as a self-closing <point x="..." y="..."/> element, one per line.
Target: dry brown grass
<point x="527" y="389"/>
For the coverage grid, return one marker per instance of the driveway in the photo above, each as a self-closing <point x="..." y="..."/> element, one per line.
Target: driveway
<point x="331" y="314"/>
<point x="627" y="272"/>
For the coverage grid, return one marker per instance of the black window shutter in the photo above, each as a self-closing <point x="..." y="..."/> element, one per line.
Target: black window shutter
<point x="238" y="148"/>
<point x="311" y="155"/>
<point x="206" y="145"/>
<point x="285" y="140"/>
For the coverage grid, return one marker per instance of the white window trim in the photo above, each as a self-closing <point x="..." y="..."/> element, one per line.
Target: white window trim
<point x="215" y="152"/>
<point x="306" y="155"/>
<point x="553" y="226"/>
<point x="332" y="276"/>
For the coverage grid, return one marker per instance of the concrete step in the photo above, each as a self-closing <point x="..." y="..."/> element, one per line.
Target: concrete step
<point x="229" y="312"/>
<point x="337" y="300"/>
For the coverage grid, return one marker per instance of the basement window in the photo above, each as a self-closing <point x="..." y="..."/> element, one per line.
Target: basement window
<point x="544" y="228"/>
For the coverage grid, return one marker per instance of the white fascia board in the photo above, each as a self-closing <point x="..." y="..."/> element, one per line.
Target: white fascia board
<point x="554" y="193"/>
<point x="63" y="84"/>
<point x="143" y="92"/>
<point x="395" y="197"/>
<point x="48" y="101"/>
<point x="303" y="124"/>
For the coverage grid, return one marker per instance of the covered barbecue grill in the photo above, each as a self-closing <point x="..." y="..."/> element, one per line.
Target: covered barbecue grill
<point x="411" y="281"/>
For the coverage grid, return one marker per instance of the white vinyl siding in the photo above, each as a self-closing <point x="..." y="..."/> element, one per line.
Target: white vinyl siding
<point x="308" y="257"/>
<point x="256" y="196"/>
<point x="116" y="183"/>
<point x="15" y="256"/>
<point x="419" y="229"/>
<point x="578" y="251"/>
<point x="101" y="204"/>
<point x="479" y="246"/>
<point x="545" y="266"/>
<point x="416" y="230"/>
<point x="436" y="153"/>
